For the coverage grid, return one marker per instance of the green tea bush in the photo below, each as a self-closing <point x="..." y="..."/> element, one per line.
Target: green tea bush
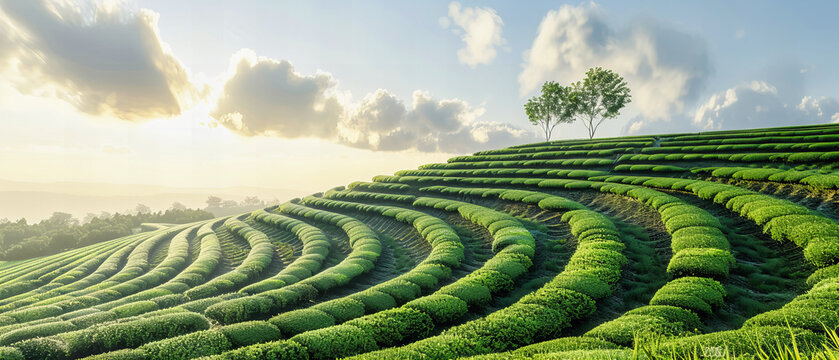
<point x="250" y="332"/>
<point x="394" y="326"/>
<point x="189" y="346"/>
<point x="563" y="344"/>
<point x="688" y="319"/>
<point x="237" y="310"/>
<point x="10" y="353"/>
<point x="701" y="262"/>
<point x="810" y="317"/>
<point x="514" y="326"/>
<point x="131" y="334"/>
<point x="342" y="309"/>
<point x="401" y="290"/>
<point x="822" y="251"/>
<point x="494" y="280"/>
<point x="743" y="341"/>
<point x="446" y="346"/>
<point x="302" y="320"/>
<point x="282" y="349"/>
<point x="471" y="292"/>
<point x="440" y="307"/>
<point x="92" y="319"/>
<point x="687" y="220"/>
<point x="135" y="308"/>
<point x="439" y="271"/>
<point x="35" y="313"/>
<point x="374" y="300"/>
<point x="686" y="301"/>
<point x="424" y="281"/>
<point x="583" y="283"/>
<point x="623" y="330"/>
<point x="823" y="273"/>
<point x="569" y="303"/>
<point x="336" y="341"/>
<point x="42" y="348"/>
<point x="33" y="331"/>
<point x="606" y="264"/>
<point x="124" y="354"/>
<point x="170" y="300"/>
<point x="708" y="290"/>
<point x="698" y="237"/>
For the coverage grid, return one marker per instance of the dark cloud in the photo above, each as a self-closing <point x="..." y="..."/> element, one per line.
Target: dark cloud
<point x="267" y="97"/>
<point x="101" y="60"/>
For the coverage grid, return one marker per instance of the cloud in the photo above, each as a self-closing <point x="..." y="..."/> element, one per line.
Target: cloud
<point x="383" y="122"/>
<point x="480" y="30"/>
<point x="739" y="34"/>
<point x="757" y="104"/>
<point x="104" y="60"/>
<point x="665" y="68"/>
<point x="267" y="97"/>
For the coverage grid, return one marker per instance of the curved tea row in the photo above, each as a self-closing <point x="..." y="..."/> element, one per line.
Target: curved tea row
<point x="502" y="254"/>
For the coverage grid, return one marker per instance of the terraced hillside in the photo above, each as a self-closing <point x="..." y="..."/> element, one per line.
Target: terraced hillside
<point x="671" y="246"/>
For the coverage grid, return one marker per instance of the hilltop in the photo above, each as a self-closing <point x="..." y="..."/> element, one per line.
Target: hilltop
<point x="713" y="244"/>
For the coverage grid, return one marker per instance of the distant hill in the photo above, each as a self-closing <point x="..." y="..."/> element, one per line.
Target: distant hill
<point x="37" y="201"/>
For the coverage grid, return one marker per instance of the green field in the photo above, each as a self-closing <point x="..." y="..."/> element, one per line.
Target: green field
<point x="708" y="245"/>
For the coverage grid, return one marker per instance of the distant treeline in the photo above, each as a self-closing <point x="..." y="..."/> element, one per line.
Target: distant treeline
<point x="21" y="240"/>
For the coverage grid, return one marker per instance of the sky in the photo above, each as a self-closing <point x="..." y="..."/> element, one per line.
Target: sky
<point x="310" y="95"/>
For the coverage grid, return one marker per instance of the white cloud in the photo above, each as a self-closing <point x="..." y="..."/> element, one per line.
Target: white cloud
<point x="481" y="33"/>
<point x="757" y="104"/>
<point x="664" y="67"/>
<point x="263" y="96"/>
<point x="104" y="60"/>
<point x="383" y="122"/>
<point x="267" y="97"/>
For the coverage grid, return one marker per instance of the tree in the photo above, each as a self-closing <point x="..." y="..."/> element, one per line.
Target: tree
<point x="142" y="209"/>
<point x="229" y="203"/>
<point x="88" y="218"/>
<point x="60" y="219"/>
<point x="213" y="202"/>
<point x="600" y="96"/>
<point x="178" y="206"/>
<point x="550" y="108"/>
<point x="252" y="201"/>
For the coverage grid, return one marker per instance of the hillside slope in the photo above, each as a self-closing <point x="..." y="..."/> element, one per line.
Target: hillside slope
<point x="695" y="243"/>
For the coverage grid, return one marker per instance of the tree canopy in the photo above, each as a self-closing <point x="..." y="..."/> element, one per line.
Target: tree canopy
<point x="21" y="240"/>
<point x="550" y="108"/>
<point x="600" y="96"/>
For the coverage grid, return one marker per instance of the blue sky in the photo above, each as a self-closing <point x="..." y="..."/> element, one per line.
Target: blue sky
<point x="401" y="47"/>
<point x="169" y="92"/>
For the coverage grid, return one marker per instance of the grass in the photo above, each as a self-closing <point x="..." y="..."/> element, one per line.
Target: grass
<point x="652" y="349"/>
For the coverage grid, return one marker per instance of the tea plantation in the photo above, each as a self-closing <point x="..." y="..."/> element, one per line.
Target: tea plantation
<point x="708" y="245"/>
